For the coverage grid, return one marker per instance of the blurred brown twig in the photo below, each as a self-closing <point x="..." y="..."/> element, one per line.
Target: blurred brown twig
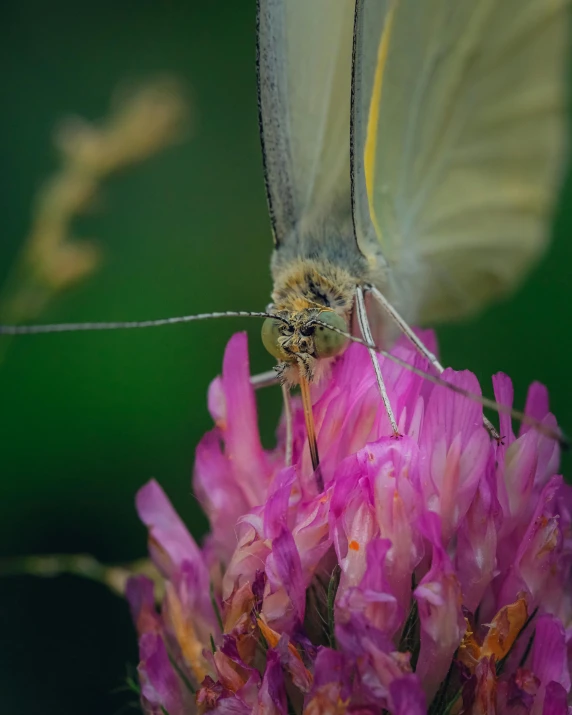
<point x="140" y="123"/>
<point x="115" y="577"/>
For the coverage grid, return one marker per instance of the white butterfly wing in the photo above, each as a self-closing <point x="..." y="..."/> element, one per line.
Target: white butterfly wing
<point x="370" y="20"/>
<point x="304" y="82"/>
<point x="460" y="117"/>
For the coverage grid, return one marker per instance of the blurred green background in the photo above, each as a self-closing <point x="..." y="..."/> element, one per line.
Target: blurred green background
<point x="86" y="419"/>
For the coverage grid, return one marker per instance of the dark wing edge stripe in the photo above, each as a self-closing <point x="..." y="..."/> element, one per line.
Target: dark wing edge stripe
<point x="261" y="126"/>
<point x="352" y="119"/>
<point x="275" y="155"/>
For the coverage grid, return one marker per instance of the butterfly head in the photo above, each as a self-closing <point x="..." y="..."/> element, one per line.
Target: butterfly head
<point x="298" y="341"/>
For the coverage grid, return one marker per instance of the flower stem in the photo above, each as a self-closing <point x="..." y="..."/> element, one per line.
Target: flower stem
<point x="332" y="590"/>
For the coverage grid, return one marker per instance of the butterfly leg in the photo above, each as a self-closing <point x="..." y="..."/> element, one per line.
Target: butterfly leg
<point x="419" y="345"/>
<point x="368" y="337"/>
<point x="266" y="379"/>
<point x="289" y="426"/>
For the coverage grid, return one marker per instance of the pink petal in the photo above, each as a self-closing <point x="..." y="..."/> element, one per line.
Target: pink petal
<point x="504" y="395"/>
<point x="284" y="573"/>
<point x="392" y="467"/>
<point x="454" y="451"/>
<point x="407" y="696"/>
<point x="537" y="405"/>
<point x="373" y="598"/>
<point x="242" y="440"/>
<point x="272" y="695"/>
<point x="549" y="655"/>
<point x="161" y="688"/>
<point x="555" y="700"/>
<point x="219" y="495"/>
<point x="477" y="545"/>
<point x="141" y="599"/>
<point x="169" y="541"/>
<point x="439" y="601"/>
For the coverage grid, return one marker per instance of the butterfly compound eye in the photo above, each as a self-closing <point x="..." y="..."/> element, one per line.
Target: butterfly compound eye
<point x="271" y="331"/>
<point x="327" y="343"/>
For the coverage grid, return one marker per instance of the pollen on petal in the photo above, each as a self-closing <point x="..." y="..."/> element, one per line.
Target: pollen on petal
<point x="504" y="629"/>
<point x="353" y="545"/>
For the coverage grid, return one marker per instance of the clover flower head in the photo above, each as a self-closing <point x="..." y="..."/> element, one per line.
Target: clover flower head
<point x="432" y="575"/>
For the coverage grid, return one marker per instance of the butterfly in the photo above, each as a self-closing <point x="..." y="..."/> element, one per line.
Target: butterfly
<point x="412" y="155"/>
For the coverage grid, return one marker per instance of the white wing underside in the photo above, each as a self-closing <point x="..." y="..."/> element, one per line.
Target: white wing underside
<point x="465" y="149"/>
<point x="305" y="49"/>
<point x="462" y="148"/>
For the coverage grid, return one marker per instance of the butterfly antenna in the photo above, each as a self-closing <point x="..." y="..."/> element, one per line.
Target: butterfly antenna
<point x="544" y="429"/>
<point x="128" y="325"/>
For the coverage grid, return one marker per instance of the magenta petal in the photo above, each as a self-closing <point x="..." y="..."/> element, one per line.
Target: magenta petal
<point x="175" y="553"/>
<point x="517" y="694"/>
<point x="169" y="541"/>
<point x="476" y="556"/>
<point x="230" y="649"/>
<point x="141" y="599"/>
<point x="232" y="480"/>
<point x="276" y="509"/>
<point x="346" y="413"/>
<point x="354" y="634"/>
<point x="242" y="439"/>
<point x="374" y="579"/>
<point x="219" y="495"/>
<point x="333" y="675"/>
<point x="407" y="696"/>
<point x="352" y="521"/>
<point x="301" y="677"/>
<point x="504" y="395"/>
<point x="454" y="451"/>
<point x="516" y="470"/>
<point x="284" y="572"/>
<point x="537" y="404"/>
<point x="217" y="402"/>
<point x="439" y="601"/>
<point x="248" y="559"/>
<point x="427" y="336"/>
<point x="392" y="468"/>
<point x="161" y="688"/>
<point x="331" y="667"/>
<point x="196" y="599"/>
<point x="550" y="653"/>
<point x="484" y="683"/>
<point x="555" y="700"/>
<point x="312" y="533"/>
<point x="346" y="483"/>
<point x="272" y="695"/>
<point x="230" y="706"/>
<point x="538" y="550"/>
<point x="373" y="597"/>
<point x="449" y="414"/>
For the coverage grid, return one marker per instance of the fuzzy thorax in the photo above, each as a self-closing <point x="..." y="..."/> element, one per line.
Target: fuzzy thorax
<point x="313" y="283"/>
